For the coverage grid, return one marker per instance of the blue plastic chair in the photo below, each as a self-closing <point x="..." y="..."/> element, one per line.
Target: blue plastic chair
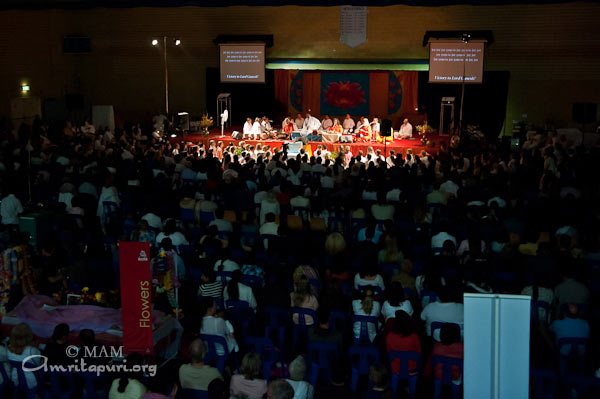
<point x="248" y="238"/>
<point x="187" y="215"/>
<point x="21" y="386"/>
<point x="223" y="276"/>
<point x="447" y="363"/>
<point x="206" y="217"/>
<point x="437" y="325"/>
<point x="301" y="329"/>
<point x="586" y="387"/>
<point x="544" y="383"/>
<point x="575" y="357"/>
<point x="61" y="385"/>
<point x="267" y="351"/>
<point x="94" y="387"/>
<point x="187" y="393"/>
<point x="240" y="314"/>
<point x="319" y="354"/>
<point x="269" y="238"/>
<point x="404" y="357"/>
<point x="535" y="311"/>
<point x="361" y="358"/>
<point x="253" y="282"/>
<point x="364" y="329"/>
<point x="388" y="269"/>
<point x="430" y="295"/>
<point x="375" y="288"/>
<point x="212" y="342"/>
<point x="337" y="319"/>
<point x="111" y="212"/>
<point x="6" y="381"/>
<point x="278" y="319"/>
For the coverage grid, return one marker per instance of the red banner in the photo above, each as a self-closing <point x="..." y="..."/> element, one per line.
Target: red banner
<point x="136" y="297"/>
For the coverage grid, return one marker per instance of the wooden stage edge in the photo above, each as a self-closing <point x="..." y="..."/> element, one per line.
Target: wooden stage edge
<point x="399" y="146"/>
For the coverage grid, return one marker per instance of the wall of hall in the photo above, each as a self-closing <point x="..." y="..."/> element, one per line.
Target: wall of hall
<point x="552" y="51"/>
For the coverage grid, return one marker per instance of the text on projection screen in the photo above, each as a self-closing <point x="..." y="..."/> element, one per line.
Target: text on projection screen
<point x="243" y="63"/>
<point x="449" y="61"/>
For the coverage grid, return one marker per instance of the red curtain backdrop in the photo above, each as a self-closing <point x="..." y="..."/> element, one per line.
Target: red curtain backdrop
<point x="378" y="98"/>
<point x="311" y="93"/>
<point x="282" y="88"/>
<point x="300" y="91"/>
<point x="410" y="85"/>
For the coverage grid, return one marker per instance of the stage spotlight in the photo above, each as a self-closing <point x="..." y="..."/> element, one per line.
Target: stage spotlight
<point x="154" y="42"/>
<point x="25" y="88"/>
<point x="177" y="42"/>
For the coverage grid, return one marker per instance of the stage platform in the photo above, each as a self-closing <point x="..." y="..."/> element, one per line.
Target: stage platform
<point x="400" y="146"/>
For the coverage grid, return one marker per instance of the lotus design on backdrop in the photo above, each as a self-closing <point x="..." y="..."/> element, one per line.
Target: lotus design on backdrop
<point x="344" y="95"/>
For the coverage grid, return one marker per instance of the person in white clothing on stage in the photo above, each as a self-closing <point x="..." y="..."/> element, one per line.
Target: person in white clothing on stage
<point x="310" y="125"/>
<point x="247" y="128"/>
<point x="255" y="132"/>
<point x="375" y="128"/>
<point x="405" y="131"/>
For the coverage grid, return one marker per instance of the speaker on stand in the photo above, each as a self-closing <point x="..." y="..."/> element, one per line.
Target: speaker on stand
<point x="385" y="132"/>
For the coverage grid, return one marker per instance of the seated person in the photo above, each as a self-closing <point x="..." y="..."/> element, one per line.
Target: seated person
<point x="336" y="128"/>
<point x="248" y="384"/>
<point x="366" y="306"/>
<point x="311" y="125"/>
<point x="379" y="381"/>
<point x="214" y="323"/>
<point x="450" y="346"/>
<point x="302" y="297"/>
<point x="197" y="375"/>
<point x="302" y="389"/>
<point x="298" y="122"/>
<point x="287" y="127"/>
<point x="129" y="384"/>
<point x="323" y="332"/>
<point x="405" y="131"/>
<point x="326" y="123"/>
<point x="255" y="132"/>
<point x="403" y="337"/>
<point x="247" y="128"/>
<point x="572" y="326"/>
<point x="222" y="224"/>
<point x="348" y="124"/>
<point x="364" y="131"/>
<point x="266" y="130"/>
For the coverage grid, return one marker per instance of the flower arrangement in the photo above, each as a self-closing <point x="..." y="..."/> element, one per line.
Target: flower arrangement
<point x="86" y="297"/>
<point x="205" y="123"/>
<point x="423" y="130"/>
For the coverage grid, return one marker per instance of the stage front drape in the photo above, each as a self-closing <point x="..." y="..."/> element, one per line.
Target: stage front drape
<point x="386" y="94"/>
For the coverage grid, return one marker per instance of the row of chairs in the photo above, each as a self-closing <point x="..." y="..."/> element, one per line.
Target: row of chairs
<point x="51" y="384"/>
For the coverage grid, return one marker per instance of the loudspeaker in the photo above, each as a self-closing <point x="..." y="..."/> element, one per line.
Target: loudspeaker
<point x="183" y="121"/>
<point x="585" y="112"/>
<point x="236" y="135"/>
<point x="386" y="128"/>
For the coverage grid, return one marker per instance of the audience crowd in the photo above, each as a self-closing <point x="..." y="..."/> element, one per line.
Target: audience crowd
<point x="318" y="275"/>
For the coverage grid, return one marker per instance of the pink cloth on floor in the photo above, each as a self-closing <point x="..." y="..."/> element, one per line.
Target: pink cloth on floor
<point x="78" y="317"/>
